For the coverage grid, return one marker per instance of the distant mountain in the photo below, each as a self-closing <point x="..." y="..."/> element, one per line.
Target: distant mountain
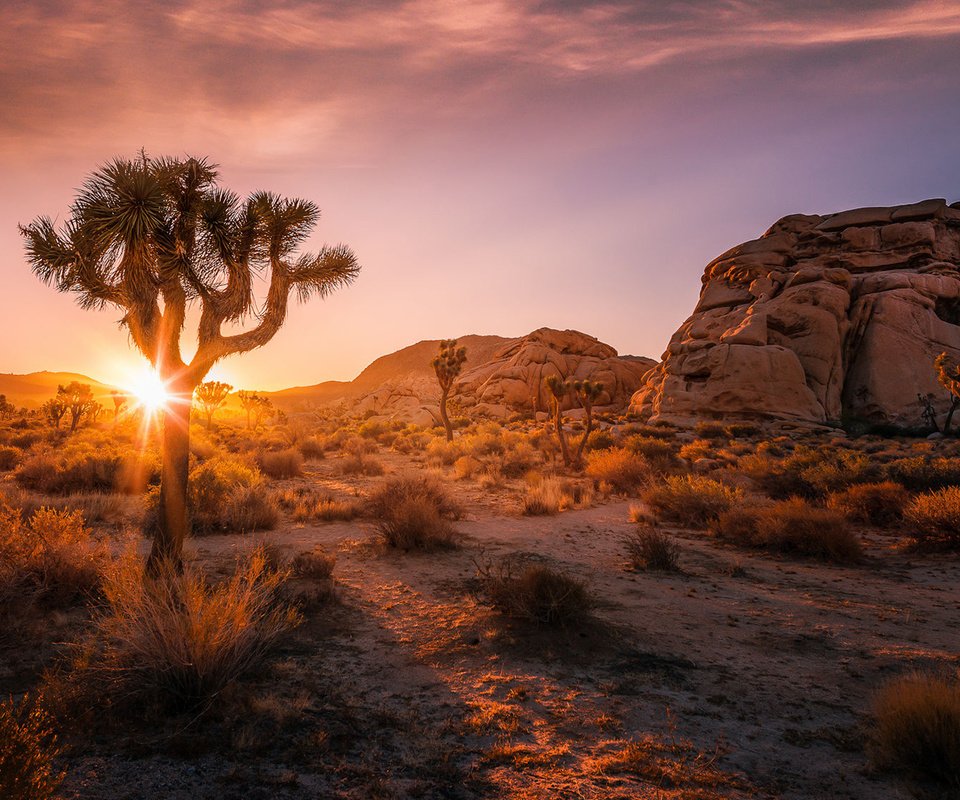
<point x="32" y="389"/>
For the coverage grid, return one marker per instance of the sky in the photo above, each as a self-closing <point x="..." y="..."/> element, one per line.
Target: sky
<point x="497" y="166"/>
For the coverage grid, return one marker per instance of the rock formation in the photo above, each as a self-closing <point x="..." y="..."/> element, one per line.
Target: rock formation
<point x="827" y="319"/>
<point x="500" y="377"/>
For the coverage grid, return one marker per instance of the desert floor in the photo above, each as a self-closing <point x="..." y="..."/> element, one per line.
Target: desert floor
<point x="744" y="675"/>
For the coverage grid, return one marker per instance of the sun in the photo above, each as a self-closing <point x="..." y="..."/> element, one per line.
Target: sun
<point x="150" y="391"/>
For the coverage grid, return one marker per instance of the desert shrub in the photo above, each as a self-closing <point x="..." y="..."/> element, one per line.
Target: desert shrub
<point x="661" y="455"/>
<point x="657" y="431"/>
<point x="711" y="430"/>
<point x="697" y="449"/>
<point x="619" y="468"/>
<point x="440" y="451"/>
<point x="286" y="463"/>
<point x="358" y="446"/>
<point x="177" y="639"/>
<point x="519" y="457"/>
<point x="312" y="448"/>
<point x="934" y="519"/>
<point x="552" y="495"/>
<point x="414" y="514"/>
<point x="648" y="547"/>
<point x="916" y="727"/>
<point x="691" y="500"/>
<point x="371" y="429"/>
<point x="790" y="526"/>
<point x="808" y="472"/>
<point x="466" y="467"/>
<point x="9" y="457"/>
<point x="535" y="593"/>
<point x="83" y="468"/>
<point x="28" y="751"/>
<point x="923" y="474"/>
<point x="359" y="464"/>
<point x="411" y="440"/>
<point x="600" y="439"/>
<point x="306" y="504"/>
<point x="314" y="564"/>
<point x="880" y="504"/>
<point x="51" y="558"/>
<point x="740" y="430"/>
<point x="227" y="494"/>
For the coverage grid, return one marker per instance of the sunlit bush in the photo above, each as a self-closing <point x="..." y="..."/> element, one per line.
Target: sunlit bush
<point x="286" y="463"/>
<point x="880" y="504"/>
<point x="414" y="514"/>
<point x="691" y="500"/>
<point x="28" y="752"/>
<point x="934" y="519"/>
<point x="648" y="547"/>
<point x="535" y="593"/>
<point x="619" y="468"/>
<point x="228" y="494"/>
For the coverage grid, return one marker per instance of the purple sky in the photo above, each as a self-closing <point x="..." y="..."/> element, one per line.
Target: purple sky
<point x="497" y="166"/>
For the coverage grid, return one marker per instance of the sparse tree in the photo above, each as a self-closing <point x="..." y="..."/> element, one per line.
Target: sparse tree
<point x="93" y="411"/>
<point x="212" y="395"/>
<point x="257" y="407"/>
<point x="77" y="397"/>
<point x="949" y="377"/>
<point x="154" y="237"/>
<point x="587" y="393"/>
<point x="559" y="389"/>
<point x="447" y="364"/>
<point x="120" y="401"/>
<point x="53" y="410"/>
<point x="6" y="407"/>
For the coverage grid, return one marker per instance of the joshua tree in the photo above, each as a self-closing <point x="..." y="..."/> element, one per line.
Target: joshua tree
<point x="77" y="397"/>
<point x="119" y="401"/>
<point x="559" y="389"/>
<point x="155" y="237"/>
<point x="93" y="410"/>
<point x="587" y="392"/>
<point x="447" y="364"/>
<point x="949" y="377"/>
<point x="256" y="406"/>
<point x="6" y="407"/>
<point x="53" y="410"/>
<point x="212" y="395"/>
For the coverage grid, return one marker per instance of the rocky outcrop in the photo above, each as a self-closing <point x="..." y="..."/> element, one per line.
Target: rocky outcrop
<point x="825" y="319"/>
<point x="500" y="377"/>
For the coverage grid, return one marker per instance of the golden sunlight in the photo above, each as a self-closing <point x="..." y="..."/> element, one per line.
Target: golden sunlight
<point x="149" y="391"/>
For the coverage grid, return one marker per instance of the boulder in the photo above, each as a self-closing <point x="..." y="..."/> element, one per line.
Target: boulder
<point x="823" y="319"/>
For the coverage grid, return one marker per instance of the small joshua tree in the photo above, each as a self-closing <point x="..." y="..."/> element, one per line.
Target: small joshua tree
<point x="156" y="237"/>
<point x="257" y="407"/>
<point x="78" y="398"/>
<point x="558" y="389"/>
<point x="949" y="377"/>
<point x="587" y="392"/>
<point x="120" y="400"/>
<point x="447" y="364"/>
<point x="211" y="395"/>
<point x="93" y="410"/>
<point x="6" y="407"/>
<point x="53" y="410"/>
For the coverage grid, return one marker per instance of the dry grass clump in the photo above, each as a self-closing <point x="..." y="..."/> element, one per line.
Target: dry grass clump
<point x="916" y="727"/>
<point x="308" y="505"/>
<point x="649" y="548"/>
<point x="699" y="448"/>
<point x="661" y="455"/>
<point x="553" y="495"/>
<point x="178" y="640"/>
<point x="443" y="453"/>
<point x="315" y="564"/>
<point x="280" y="464"/>
<point x="312" y="448"/>
<point x="535" y="593"/>
<point x="691" y="500"/>
<point x="808" y="472"/>
<point x="82" y="467"/>
<point x="414" y="514"/>
<point x="790" y="526"/>
<point x="466" y="467"/>
<point x="28" y="750"/>
<point x="711" y="430"/>
<point x="10" y="457"/>
<point x="934" y="519"/>
<point x="924" y="474"/>
<point x="51" y="559"/>
<point x="360" y="464"/>
<point x="228" y="494"/>
<point x="618" y="468"/>
<point x="881" y="504"/>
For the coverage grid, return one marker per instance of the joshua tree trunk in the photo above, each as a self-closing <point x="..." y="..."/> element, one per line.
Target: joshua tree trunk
<point x="173" y="517"/>
<point x="558" y="422"/>
<point x="443" y="415"/>
<point x="953" y="407"/>
<point x="588" y="408"/>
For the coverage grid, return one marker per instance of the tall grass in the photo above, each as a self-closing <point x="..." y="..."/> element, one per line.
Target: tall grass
<point x="414" y="514"/>
<point x="28" y="752"/>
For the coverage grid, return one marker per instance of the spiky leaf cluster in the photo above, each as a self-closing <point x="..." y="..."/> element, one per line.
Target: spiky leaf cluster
<point x="449" y="362"/>
<point x="948" y="374"/>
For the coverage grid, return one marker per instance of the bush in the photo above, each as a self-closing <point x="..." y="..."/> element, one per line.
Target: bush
<point x="619" y="468"/>
<point x="414" y="514"/>
<point x="808" y="472"/>
<point x="691" y="500"/>
<point x="552" y="495"/>
<point x="177" y="639"/>
<point x="314" y="564"/>
<point x="281" y="464"/>
<point x="535" y="593"/>
<point x="52" y="558"/>
<point x="227" y="494"/>
<point x="359" y="464"/>
<point x="916" y="727"/>
<point x="711" y="430"/>
<point x="466" y="467"/>
<point x="934" y="519"/>
<point x="313" y="449"/>
<point x="659" y="454"/>
<point x="650" y="548"/>
<point x="790" y="526"/>
<point x="697" y="449"/>
<point x="9" y="458"/>
<point x="83" y="468"/>
<point x="28" y="749"/>
<point x="923" y="474"/>
<point x="880" y="504"/>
